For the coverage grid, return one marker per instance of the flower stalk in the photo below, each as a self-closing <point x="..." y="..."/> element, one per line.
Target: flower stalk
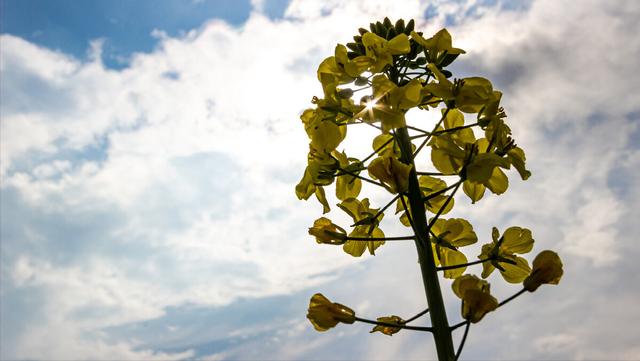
<point x="440" y="325"/>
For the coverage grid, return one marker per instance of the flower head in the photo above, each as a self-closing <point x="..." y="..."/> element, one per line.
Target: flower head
<point x="476" y="297"/>
<point x="547" y="269"/>
<point x="366" y="224"/>
<point x="502" y="252"/>
<point x="325" y="314"/>
<point x="450" y="234"/>
<point x="391" y="172"/>
<point x="327" y="232"/>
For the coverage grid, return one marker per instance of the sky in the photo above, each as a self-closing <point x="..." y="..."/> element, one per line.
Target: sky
<point x="149" y="153"/>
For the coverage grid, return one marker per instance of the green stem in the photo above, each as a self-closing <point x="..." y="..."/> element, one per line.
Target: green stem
<point x="444" y="206"/>
<point x="512" y="297"/>
<point x="403" y="238"/>
<point x="444" y="268"/>
<point x="417" y="316"/>
<point x="361" y="177"/>
<point x="457" y="325"/>
<point x="464" y="338"/>
<point x="443" y="190"/>
<point x="438" y="174"/>
<point x="437" y="312"/>
<point x="444" y="115"/>
<point x="417" y="130"/>
<point x="381" y="211"/>
<point x="379" y="323"/>
<point x="377" y="150"/>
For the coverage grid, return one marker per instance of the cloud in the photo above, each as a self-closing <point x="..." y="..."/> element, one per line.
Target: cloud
<point x="134" y="196"/>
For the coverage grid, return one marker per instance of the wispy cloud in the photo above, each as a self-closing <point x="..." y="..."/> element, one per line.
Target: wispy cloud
<point x="164" y="191"/>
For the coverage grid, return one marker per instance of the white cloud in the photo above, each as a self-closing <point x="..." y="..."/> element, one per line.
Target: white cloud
<point x="183" y="167"/>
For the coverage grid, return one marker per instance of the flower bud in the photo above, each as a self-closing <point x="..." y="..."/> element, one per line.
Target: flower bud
<point x="547" y="268"/>
<point x="345" y="93"/>
<point x="325" y="314"/>
<point x="477" y="300"/>
<point x="328" y="233"/>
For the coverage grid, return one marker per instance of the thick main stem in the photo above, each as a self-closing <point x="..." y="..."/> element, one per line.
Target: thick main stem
<point x="440" y="325"/>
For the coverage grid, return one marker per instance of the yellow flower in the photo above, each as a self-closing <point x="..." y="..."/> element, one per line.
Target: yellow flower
<point x="327" y="232"/>
<point x="381" y="50"/>
<point x="324" y="133"/>
<point x="469" y="95"/>
<point x="347" y="186"/>
<point x="476" y="297"/>
<point x="388" y="330"/>
<point x="438" y="46"/>
<point x="366" y="226"/>
<point x="451" y="234"/>
<point x="325" y="314"/>
<point x="547" y="269"/>
<point x="502" y="250"/>
<point x="391" y="172"/>
<point x="430" y="185"/>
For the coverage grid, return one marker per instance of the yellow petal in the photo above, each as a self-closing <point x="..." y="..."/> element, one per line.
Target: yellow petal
<point x="451" y="258"/>
<point x="515" y="273"/>
<point x="487" y="267"/>
<point x="517" y="240"/>
<point x="498" y="183"/>
<point x="476" y="304"/>
<point x="475" y="191"/>
<point x="517" y="158"/>
<point x="399" y="45"/>
<point x="373" y="245"/>
<point x="468" y="282"/>
<point x="391" y="172"/>
<point x="322" y="198"/>
<point x="305" y="188"/>
<point x="356" y="248"/>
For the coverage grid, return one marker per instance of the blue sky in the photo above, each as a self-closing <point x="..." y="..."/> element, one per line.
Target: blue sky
<point x="149" y="152"/>
<point x="125" y="26"/>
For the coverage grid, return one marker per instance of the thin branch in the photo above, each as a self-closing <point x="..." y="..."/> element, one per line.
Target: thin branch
<point x="417" y="129"/>
<point x="464" y="338"/>
<point x="363" y="88"/>
<point x="378" y="149"/>
<point x="444" y="131"/>
<point x="338" y="174"/>
<point x="444" y="190"/>
<point x="418" y="73"/>
<point x="417" y="316"/>
<point x="431" y="102"/>
<point x="462" y="265"/>
<point x="444" y="115"/>
<point x="406" y="211"/>
<point x="375" y="126"/>
<point x="360" y="122"/>
<point x="512" y="297"/>
<point x="380" y="211"/>
<point x="457" y="325"/>
<point x="361" y="177"/>
<point x="402" y="238"/>
<point x="437" y="174"/>
<point x="396" y="325"/>
<point x="450" y="130"/>
<point x="446" y="203"/>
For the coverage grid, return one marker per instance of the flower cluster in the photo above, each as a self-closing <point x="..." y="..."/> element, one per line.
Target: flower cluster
<point x="471" y="148"/>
